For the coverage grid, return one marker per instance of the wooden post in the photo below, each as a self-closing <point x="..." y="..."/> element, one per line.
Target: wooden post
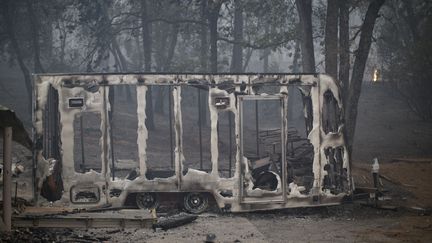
<point x="7" y="177"/>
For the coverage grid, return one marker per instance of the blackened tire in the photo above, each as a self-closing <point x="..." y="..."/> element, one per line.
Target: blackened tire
<point x="147" y="200"/>
<point x="195" y="202"/>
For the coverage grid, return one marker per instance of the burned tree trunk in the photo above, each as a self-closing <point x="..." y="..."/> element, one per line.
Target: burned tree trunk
<point x="237" y="54"/>
<point x="344" y="55"/>
<point x="304" y="8"/>
<point x="213" y="16"/>
<point x="295" y="66"/>
<point x="171" y="47"/>
<point x="331" y="38"/>
<point x="7" y="7"/>
<point x="203" y="37"/>
<point x="266" y="53"/>
<point x="359" y="67"/>
<point x="146" y="36"/>
<point x="249" y="53"/>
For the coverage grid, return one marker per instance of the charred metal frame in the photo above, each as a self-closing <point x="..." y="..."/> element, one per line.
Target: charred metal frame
<point x="283" y="126"/>
<point x="240" y="87"/>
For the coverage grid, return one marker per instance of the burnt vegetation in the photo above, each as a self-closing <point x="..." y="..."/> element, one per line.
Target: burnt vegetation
<point x="405" y="48"/>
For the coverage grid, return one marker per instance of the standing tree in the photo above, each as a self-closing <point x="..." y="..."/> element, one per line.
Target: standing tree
<point x="361" y="56"/>
<point x="8" y="7"/>
<point x="405" y="50"/>
<point x="203" y="36"/>
<point x="344" y="47"/>
<point x="351" y="89"/>
<point x="237" y="53"/>
<point x="213" y="8"/>
<point x="304" y="8"/>
<point x="331" y="38"/>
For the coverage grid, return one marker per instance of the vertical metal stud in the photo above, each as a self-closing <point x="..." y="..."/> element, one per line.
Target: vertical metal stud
<point x="257" y="128"/>
<point x="170" y="125"/>
<point x="230" y="142"/>
<point x="7" y="177"/>
<point x="200" y="129"/>
<point x="82" y="143"/>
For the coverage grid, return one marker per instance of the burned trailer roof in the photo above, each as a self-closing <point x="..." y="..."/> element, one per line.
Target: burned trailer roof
<point x="250" y="141"/>
<point x="8" y="118"/>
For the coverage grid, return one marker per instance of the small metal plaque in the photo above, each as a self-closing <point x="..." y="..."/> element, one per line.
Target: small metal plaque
<point x="76" y="102"/>
<point x="221" y="102"/>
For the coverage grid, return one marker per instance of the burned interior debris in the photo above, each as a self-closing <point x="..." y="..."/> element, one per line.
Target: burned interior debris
<point x="247" y="142"/>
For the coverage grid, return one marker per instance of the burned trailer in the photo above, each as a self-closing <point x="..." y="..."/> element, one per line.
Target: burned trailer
<point x="245" y="141"/>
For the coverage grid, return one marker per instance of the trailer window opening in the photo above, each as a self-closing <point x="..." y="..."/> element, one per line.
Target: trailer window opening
<point x="299" y="149"/>
<point x="87" y="147"/>
<point x="196" y="129"/>
<point x="226" y="143"/>
<point x="330" y="113"/>
<point x="160" y="140"/>
<point x="262" y="143"/>
<point x="123" y="131"/>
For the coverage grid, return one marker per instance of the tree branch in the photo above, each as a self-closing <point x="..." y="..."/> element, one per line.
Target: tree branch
<point x="254" y="46"/>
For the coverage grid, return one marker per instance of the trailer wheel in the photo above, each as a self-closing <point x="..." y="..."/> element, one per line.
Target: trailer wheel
<point x="195" y="202"/>
<point x="147" y="200"/>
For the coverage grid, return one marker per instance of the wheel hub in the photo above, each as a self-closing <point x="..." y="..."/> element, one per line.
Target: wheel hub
<point x="146" y="200"/>
<point x="195" y="202"/>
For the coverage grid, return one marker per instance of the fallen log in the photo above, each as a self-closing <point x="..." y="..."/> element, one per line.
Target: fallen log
<point x="174" y="221"/>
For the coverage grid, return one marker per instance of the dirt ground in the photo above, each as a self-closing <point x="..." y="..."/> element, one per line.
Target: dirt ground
<point x="348" y="223"/>
<point x="386" y="129"/>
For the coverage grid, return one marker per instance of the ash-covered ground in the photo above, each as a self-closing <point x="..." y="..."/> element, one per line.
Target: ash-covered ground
<point x="347" y="223"/>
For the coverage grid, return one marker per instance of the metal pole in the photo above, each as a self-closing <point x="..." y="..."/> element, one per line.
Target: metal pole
<point x="111" y="100"/>
<point x="105" y="165"/>
<point x="230" y="142"/>
<point x="7" y="177"/>
<point x="50" y="123"/>
<point x="112" y="148"/>
<point x="170" y="125"/>
<point x="82" y="143"/>
<point x="56" y="153"/>
<point x="16" y="192"/>
<point x="200" y="129"/>
<point x="257" y="127"/>
<point x="45" y="135"/>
